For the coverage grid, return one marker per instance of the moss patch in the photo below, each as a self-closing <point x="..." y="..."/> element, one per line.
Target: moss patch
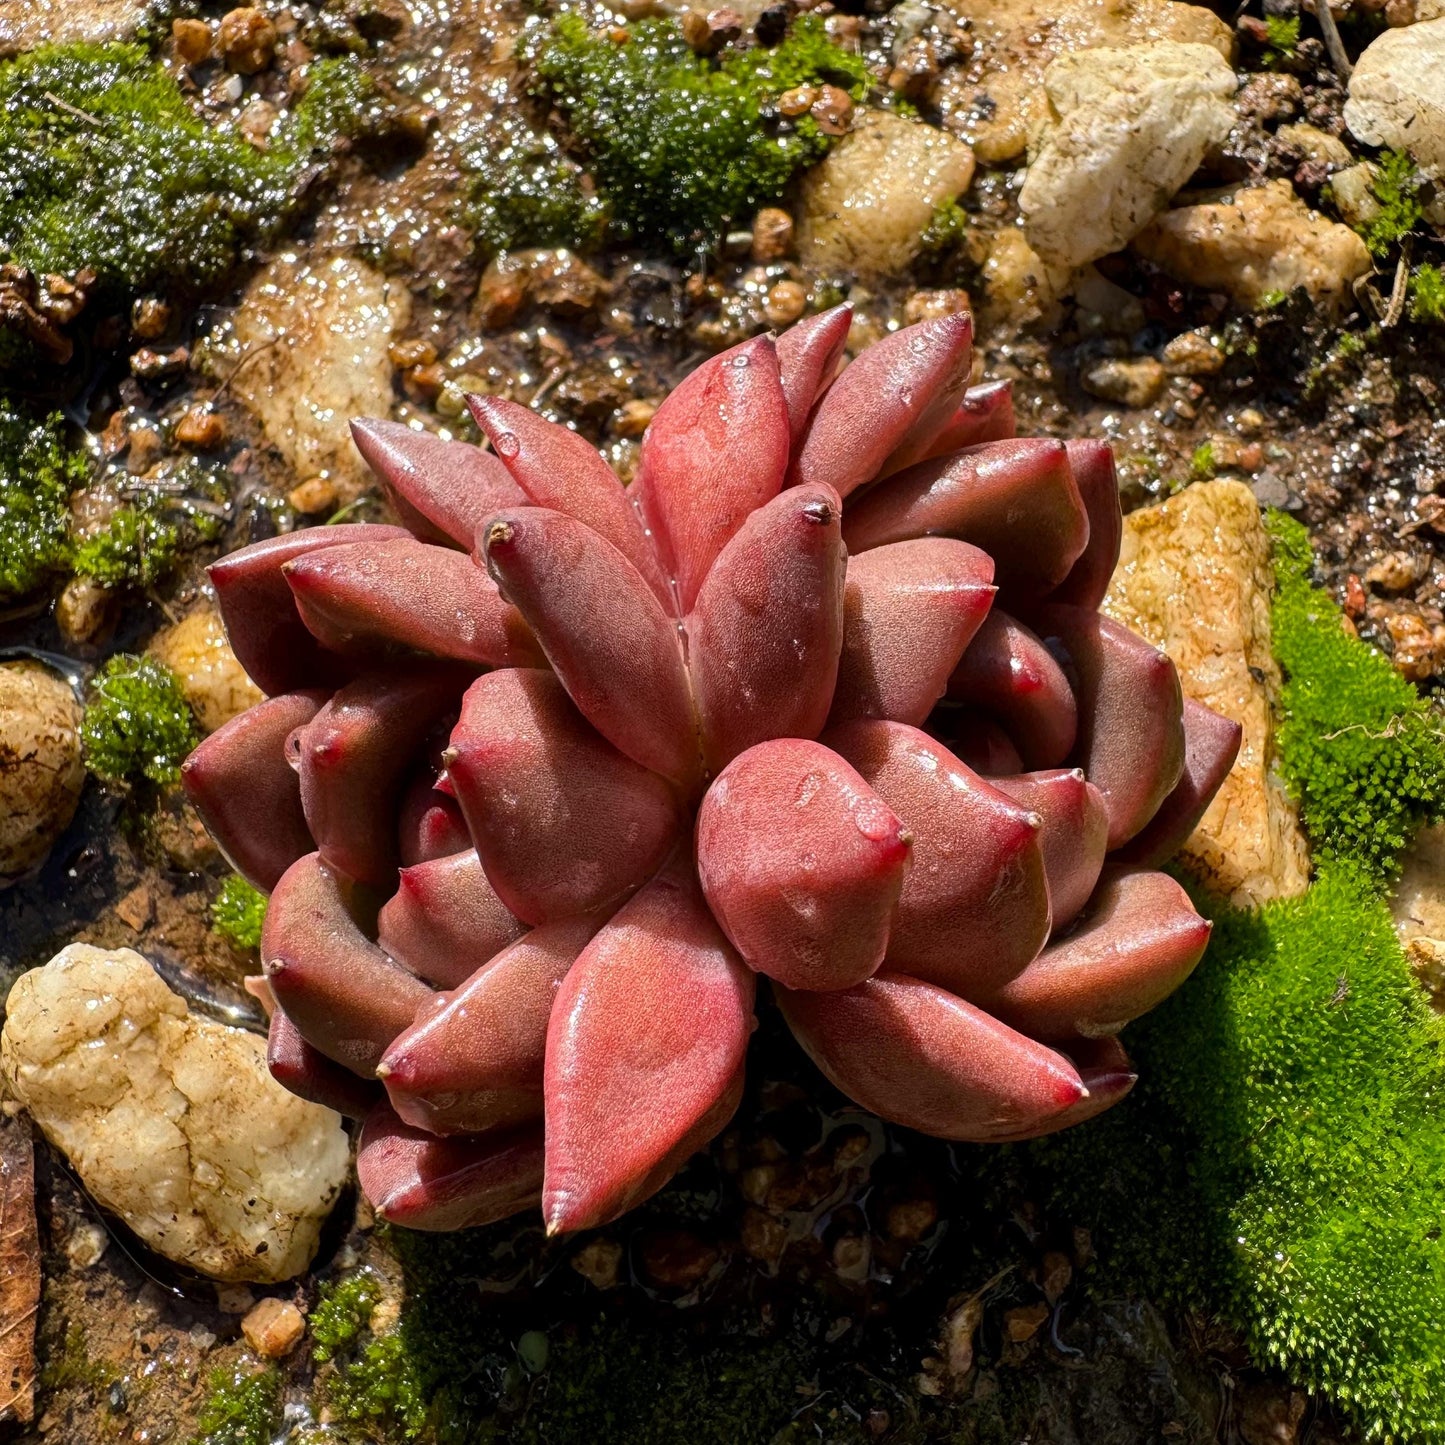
<point x="104" y="164"/>
<point x="682" y="146"/>
<point x="1282" y="1160"/>
<point x="238" y="913"/>
<point x="38" y="472"/>
<point x="1364" y="753"/>
<point x="137" y="726"/>
<point x="244" y="1408"/>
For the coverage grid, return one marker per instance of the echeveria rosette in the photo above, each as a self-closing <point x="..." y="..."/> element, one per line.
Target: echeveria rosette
<point x="549" y="775"/>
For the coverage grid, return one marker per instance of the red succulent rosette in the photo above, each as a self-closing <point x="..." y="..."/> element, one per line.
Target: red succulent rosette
<point x="824" y="696"/>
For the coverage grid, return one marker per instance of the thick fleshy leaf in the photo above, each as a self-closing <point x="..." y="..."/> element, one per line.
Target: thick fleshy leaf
<point x="1211" y="744"/>
<point x="716" y="451"/>
<point x="1136" y="943"/>
<point x="345" y="996"/>
<point x="644" y="1053"/>
<point x="414" y="1179"/>
<point x="802" y="864"/>
<point x="473" y="1059"/>
<point x="977" y="741"/>
<point x="887" y="406"/>
<point x="262" y="624"/>
<point x="1107" y="1074"/>
<point x="986" y="414"/>
<point x="307" y="1072"/>
<point x="452" y="487"/>
<point x="922" y="1057"/>
<point x="246" y="791"/>
<point x="1015" y="499"/>
<point x="808" y="357"/>
<point x="909" y="610"/>
<point x="618" y="654"/>
<point x="1092" y="463"/>
<point x="1074" y="834"/>
<point x="558" y="469"/>
<point x="564" y="823"/>
<point x="764" y="639"/>
<point x="1009" y="673"/>
<point x="445" y="920"/>
<point x="355" y="756"/>
<point x="429" y="823"/>
<point x="400" y="594"/>
<point x="1131" y="728"/>
<point x="975" y="903"/>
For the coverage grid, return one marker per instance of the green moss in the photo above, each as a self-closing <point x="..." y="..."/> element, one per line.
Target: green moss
<point x="527" y="193"/>
<point x="1397" y="185"/>
<point x="342" y="1312"/>
<point x="38" y="472"/>
<point x="238" y="912"/>
<point x="137" y="547"/>
<point x="1427" y="295"/>
<point x="137" y="726"/>
<point x="1201" y="464"/>
<point x="1363" y="752"/>
<point x="682" y="146"/>
<point x="244" y="1408"/>
<point x="103" y="163"/>
<point x="1282" y="1161"/>
<point x="947" y="230"/>
<point x="1282" y="33"/>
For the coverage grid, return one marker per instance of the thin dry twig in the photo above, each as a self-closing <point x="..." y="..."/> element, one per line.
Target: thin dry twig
<point x="1339" y="56"/>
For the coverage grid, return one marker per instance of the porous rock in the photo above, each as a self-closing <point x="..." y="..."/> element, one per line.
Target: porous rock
<point x="1195" y="579"/>
<point x="1125" y="129"/>
<point x="868" y="202"/>
<point x="24" y="24"/>
<point x="41" y="772"/>
<point x="306" y="352"/>
<point x="996" y="101"/>
<point x="214" y="682"/>
<point x="1397" y="95"/>
<point x="172" y="1121"/>
<point x="1255" y="241"/>
<point x="1418" y="904"/>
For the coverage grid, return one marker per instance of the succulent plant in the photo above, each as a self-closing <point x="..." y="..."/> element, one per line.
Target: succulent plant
<point x="549" y="775"/>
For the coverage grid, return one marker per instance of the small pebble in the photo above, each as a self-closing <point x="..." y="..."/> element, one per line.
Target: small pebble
<point x="935" y="305"/>
<point x="532" y="1351"/>
<point x="273" y="1327"/>
<point x="1396" y="572"/>
<point x="150" y="365"/>
<point x="833" y="110"/>
<point x="192" y="40"/>
<point x="314" y="495"/>
<point x="1192" y="353"/>
<point x="246" y="40"/>
<point x="201" y="430"/>
<point x="785" y="303"/>
<point x="86" y="1245"/>
<point x="501" y="293"/>
<point x="1133" y="383"/>
<point x="798" y="101"/>
<point x="772" y="235"/>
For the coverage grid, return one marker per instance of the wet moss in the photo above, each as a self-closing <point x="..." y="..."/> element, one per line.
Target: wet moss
<point x="244" y="1408"/>
<point x="1397" y="186"/>
<point x="38" y="472"/>
<point x="238" y="913"/>
<point x="683" y="146"/>
<point x="1427" y="295"/>
<point x="137" y="726"/>
<point x="527" y="193"/>
<point x="1363" y="751"/>
<point x="1281" y="1162"/>
<point x="104" y="164"/>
